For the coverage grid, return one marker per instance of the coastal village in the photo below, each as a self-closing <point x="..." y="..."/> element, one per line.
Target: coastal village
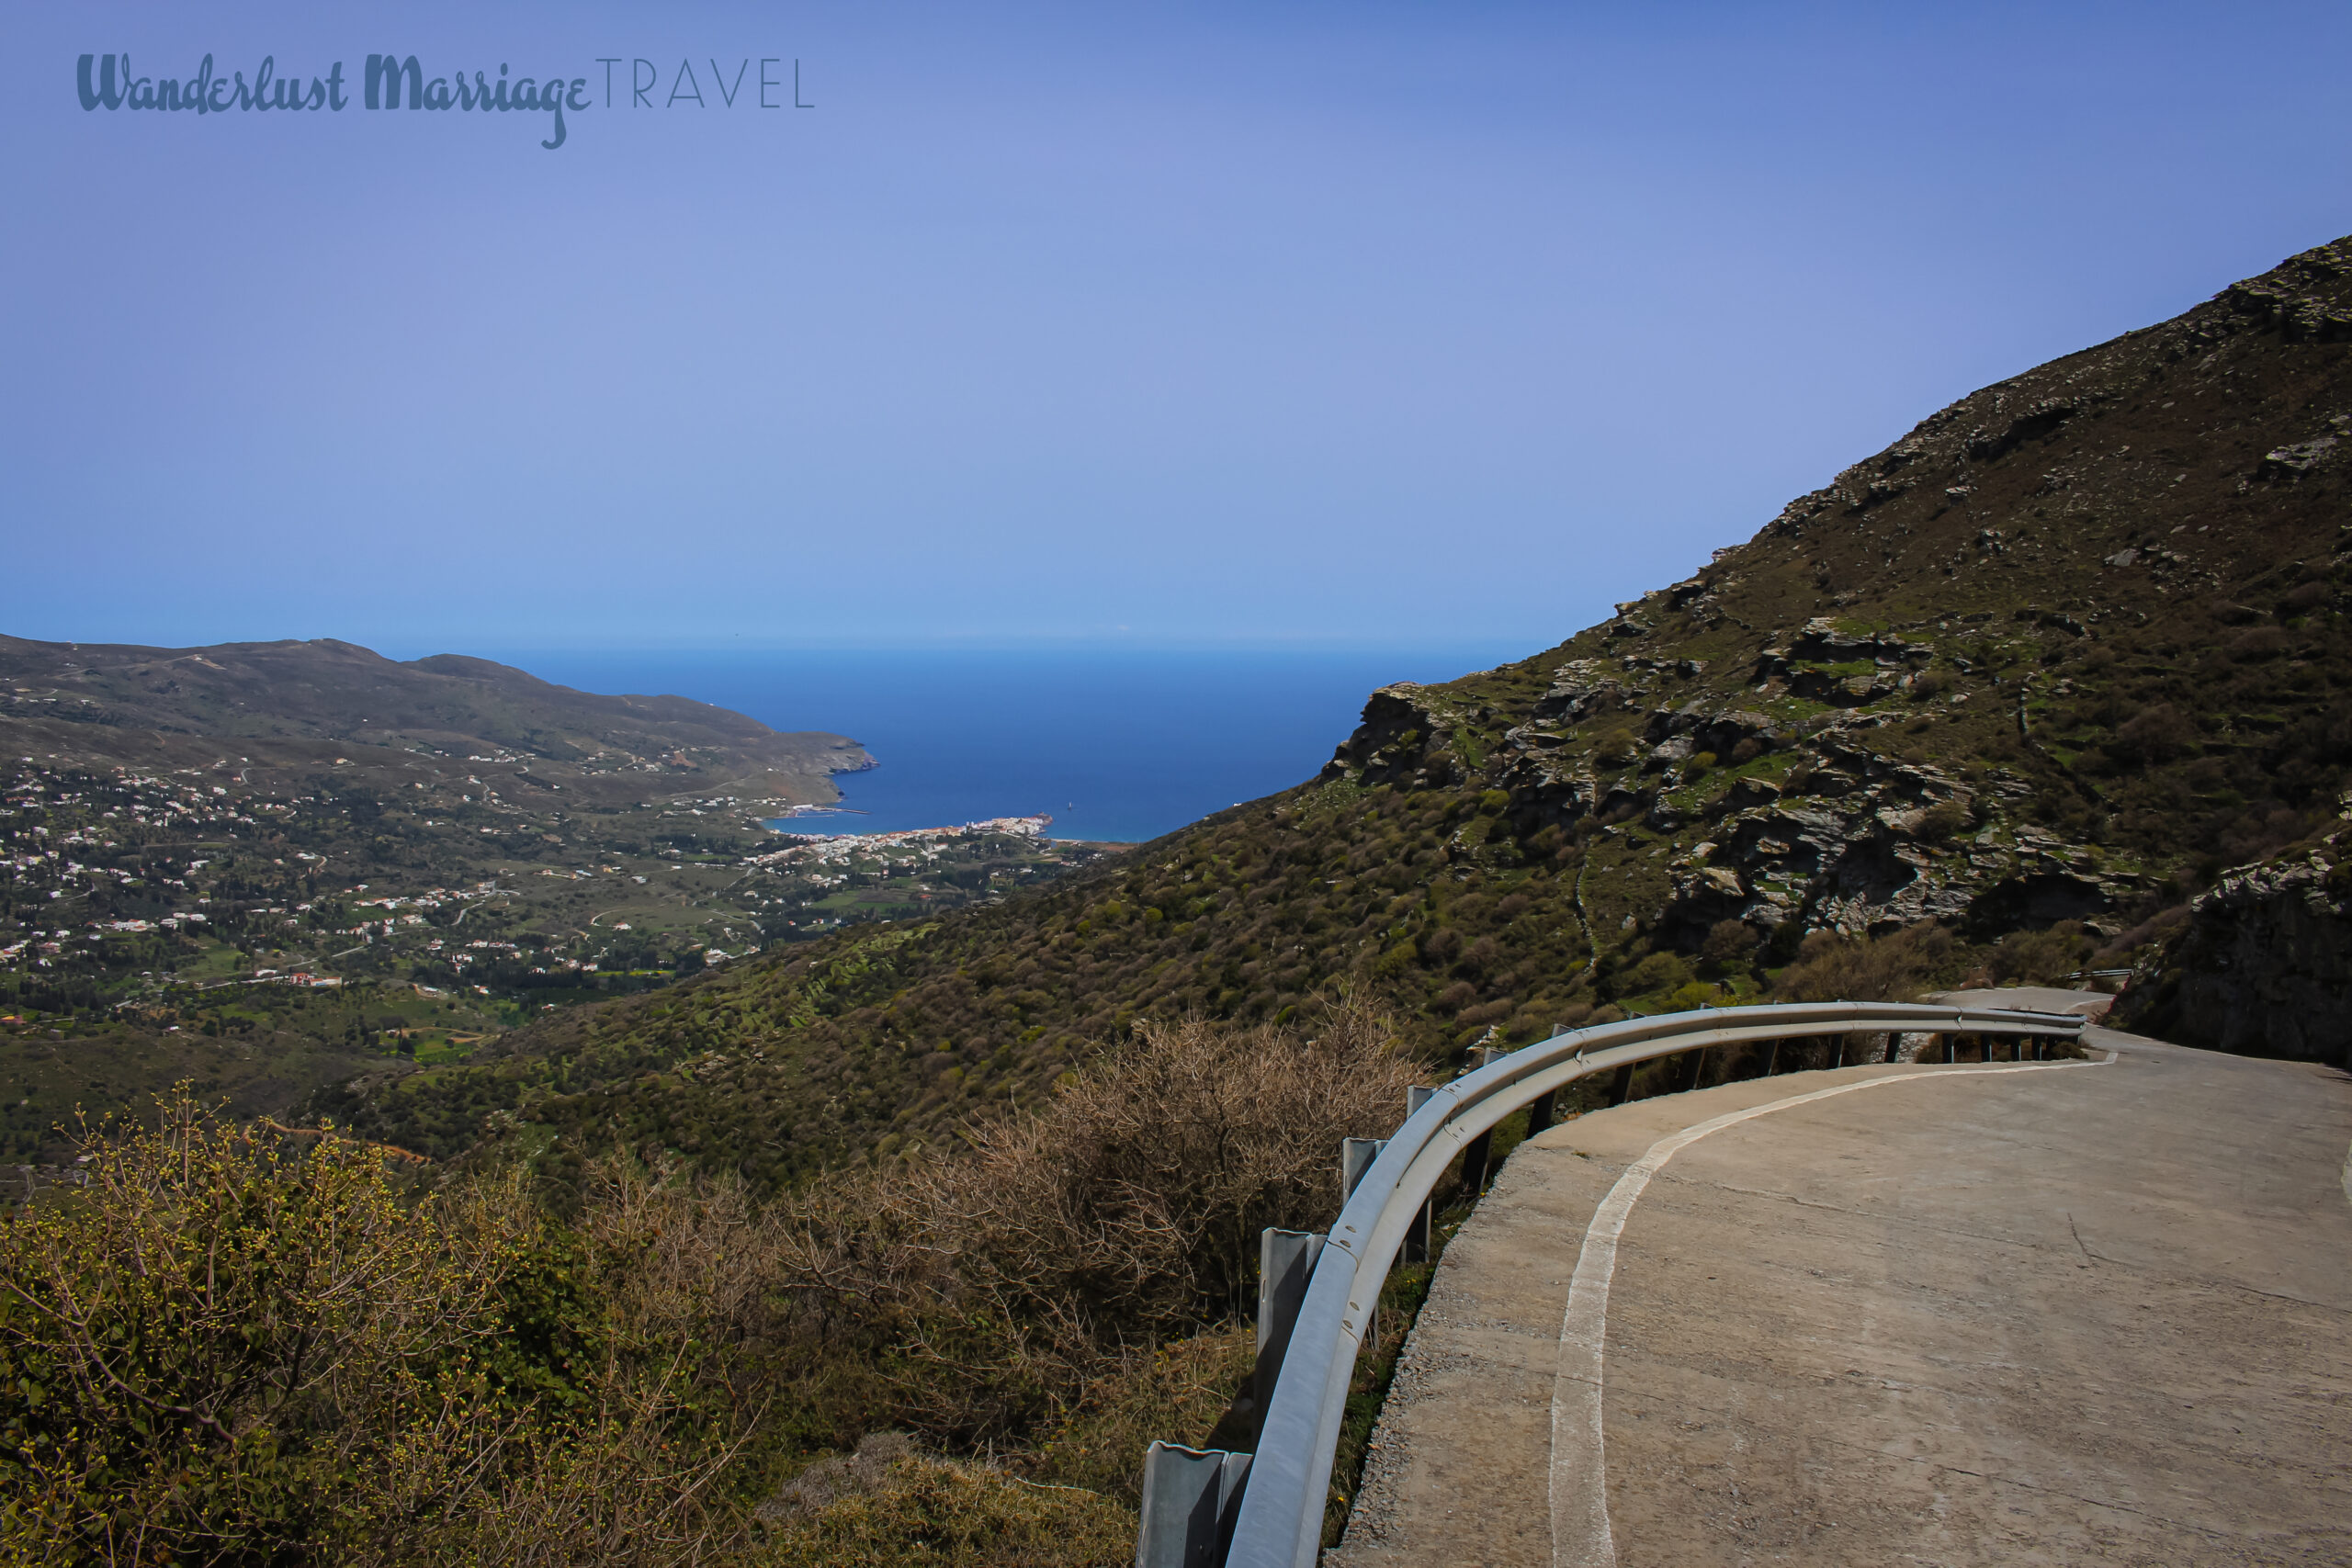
<point x="404" y="925"/>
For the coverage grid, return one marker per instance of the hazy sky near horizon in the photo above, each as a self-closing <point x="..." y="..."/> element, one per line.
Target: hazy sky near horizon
<point x="1364" y="324"/>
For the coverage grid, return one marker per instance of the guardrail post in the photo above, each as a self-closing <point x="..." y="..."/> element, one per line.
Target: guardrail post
<point x="1621" y="1084"/>
<point x="1190" y="1499"/>
<point x="1417" y="1239"/>
<point x="1356" y="1156"/>
<point x="1479" y="1152"/>
<point x="1771" y="1057"/>
<point x="1285" y="1262"/>
<point x="1698" y="1069"/>
<point x="1539" y="1112"/>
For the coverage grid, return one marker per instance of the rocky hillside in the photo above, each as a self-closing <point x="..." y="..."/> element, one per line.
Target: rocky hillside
<point x="2059" y="657"/>
<point x="299" y="705"/>
<point x="2071" y="646"/>
<point x="2260" y="963"/>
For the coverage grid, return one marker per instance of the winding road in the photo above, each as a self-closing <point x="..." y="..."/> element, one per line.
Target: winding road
<point x="2088" y="1312"/>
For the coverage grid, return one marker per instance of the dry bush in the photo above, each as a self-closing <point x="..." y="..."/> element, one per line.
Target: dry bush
<point x="673" y="1279"/>
<point x="1134" y="1202"/>
<point x="1896" y="967"/>
<point x="1125" y="1213"/>
<point x="675" y="1260"/>
<point x="2158" y="926"/>
<point x="2042" y="957"/>
<point x="1179" y="1391"/>
<point x="890" y="1506"/>
<point x="628" y="1488"/>
<point x="227" y="1348"/>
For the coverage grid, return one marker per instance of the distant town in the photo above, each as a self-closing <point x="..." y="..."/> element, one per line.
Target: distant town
<point x="407" y="922"/>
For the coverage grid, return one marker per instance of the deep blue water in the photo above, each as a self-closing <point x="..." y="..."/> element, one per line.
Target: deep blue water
<point x="1121" y="746"/>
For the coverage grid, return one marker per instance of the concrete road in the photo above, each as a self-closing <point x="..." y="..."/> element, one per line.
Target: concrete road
<point x="2046" y="1314"/>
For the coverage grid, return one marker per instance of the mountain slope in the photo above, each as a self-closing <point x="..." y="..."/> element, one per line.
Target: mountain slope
<point x="291" y="702"/>
<point x="2062" y="652"/>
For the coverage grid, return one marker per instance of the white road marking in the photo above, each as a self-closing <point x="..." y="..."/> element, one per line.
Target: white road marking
<point x="1579" y="1479"/>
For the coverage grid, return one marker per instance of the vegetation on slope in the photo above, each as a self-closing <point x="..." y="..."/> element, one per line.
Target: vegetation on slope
<point x="2062" y="654"/>
<point x="229" y="1346"/>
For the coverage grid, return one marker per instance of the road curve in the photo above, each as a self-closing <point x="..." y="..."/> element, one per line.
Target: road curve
<point x="2081" y="1313"/>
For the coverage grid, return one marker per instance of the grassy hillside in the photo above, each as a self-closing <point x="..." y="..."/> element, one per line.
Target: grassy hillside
<point x="2055" y="659"/>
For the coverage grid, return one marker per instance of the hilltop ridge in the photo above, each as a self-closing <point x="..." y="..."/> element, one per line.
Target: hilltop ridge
<point x="299" y="702"/>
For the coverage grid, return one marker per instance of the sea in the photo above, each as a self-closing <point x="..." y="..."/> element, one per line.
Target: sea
<point x="1116" y="745"/>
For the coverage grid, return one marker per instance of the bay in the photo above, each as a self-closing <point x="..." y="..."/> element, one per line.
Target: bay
<point x="1117" y="745"/>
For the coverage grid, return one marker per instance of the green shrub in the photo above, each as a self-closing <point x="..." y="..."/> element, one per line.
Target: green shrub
<point x="1728" y="941"/>
<point x="212" y="1346"/>
<point x="1658" y="972"/>
<point x="1943" y="821"/>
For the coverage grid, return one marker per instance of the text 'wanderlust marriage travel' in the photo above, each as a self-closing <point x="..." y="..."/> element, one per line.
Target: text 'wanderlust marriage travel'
<point x="391" y="82"/>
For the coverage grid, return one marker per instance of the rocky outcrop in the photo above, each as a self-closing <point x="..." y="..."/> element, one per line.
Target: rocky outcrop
<point x="1407" y="738"/>
<point x="1855" y="842"/>
<point x="1823" y="664"/>
<point x="1824" y="830"/>
<point x="2262" y="967"/>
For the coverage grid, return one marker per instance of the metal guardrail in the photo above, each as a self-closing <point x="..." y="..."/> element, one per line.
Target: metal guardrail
<point x="1266" y="1510"/>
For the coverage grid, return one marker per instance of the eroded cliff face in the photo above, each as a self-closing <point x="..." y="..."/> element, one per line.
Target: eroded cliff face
<point x="2263" y="965"/>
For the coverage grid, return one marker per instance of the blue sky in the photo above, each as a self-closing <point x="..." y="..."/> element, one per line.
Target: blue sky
<point x="1267" y="323"/>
